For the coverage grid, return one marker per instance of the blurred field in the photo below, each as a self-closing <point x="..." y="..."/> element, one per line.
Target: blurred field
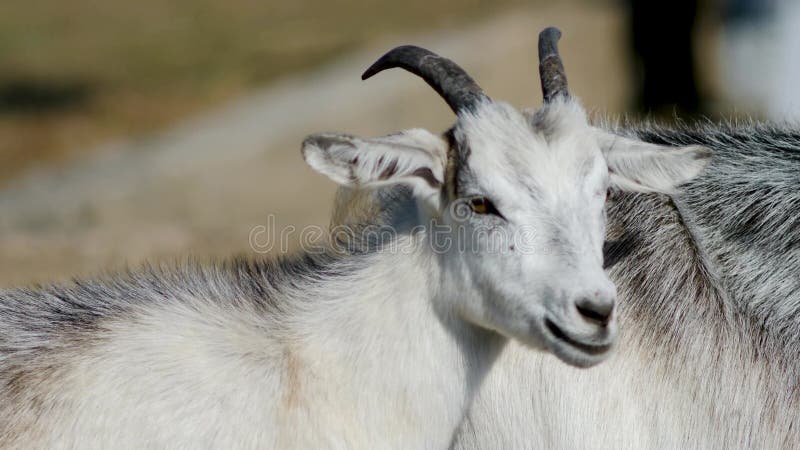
<point x="77" y="73"/>
<point x="199" y="188"/>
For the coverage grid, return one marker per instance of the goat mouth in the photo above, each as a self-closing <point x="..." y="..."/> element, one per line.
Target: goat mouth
<point x="589" y="349"/>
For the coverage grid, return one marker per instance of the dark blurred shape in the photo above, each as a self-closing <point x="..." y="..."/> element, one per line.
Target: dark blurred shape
<point x="661" y="35"/>
<point x="35" y="96"/>
<point x="747" y="10"/>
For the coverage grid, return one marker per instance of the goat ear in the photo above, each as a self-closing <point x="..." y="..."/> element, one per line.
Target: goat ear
<point x="416" y="157"/>
<point x="643" y="167"/>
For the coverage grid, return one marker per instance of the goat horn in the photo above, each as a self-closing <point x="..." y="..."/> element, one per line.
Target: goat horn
<point x="457" y="88"/>
<point x="551" y="69"/>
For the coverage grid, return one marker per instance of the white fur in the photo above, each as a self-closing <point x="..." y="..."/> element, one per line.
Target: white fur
<point x="347" y="372"/>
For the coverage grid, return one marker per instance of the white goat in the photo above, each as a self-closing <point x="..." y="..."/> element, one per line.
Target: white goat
<point x="708" y="309"/>
<point x="369" y="345"/>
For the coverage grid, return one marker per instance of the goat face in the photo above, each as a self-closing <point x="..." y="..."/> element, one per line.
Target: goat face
<point x="516" y="203"/>
<point x="527" y="195"/>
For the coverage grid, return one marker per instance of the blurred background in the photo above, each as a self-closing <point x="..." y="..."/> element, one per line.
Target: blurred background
<point x="167" y="129"/>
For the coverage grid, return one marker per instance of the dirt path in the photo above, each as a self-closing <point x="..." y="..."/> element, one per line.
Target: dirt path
<point x="201" y="188"/>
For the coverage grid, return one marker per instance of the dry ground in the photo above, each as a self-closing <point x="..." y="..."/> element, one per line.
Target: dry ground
<point x="201" y="187"/>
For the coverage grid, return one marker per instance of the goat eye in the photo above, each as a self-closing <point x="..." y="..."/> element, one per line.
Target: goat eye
<point x="482" y="205"/>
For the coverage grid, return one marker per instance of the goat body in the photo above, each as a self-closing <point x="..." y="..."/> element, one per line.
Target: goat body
<point x="242" y="355"/>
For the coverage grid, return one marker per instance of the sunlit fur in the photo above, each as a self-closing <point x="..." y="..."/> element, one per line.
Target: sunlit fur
<point x="709" y="301"/>
<point x="356" y="347"/>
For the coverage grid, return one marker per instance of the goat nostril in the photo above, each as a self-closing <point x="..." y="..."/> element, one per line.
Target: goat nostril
<point x="595" y="312"/>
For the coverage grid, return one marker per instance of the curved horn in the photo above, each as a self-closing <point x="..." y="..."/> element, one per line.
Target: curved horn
<point x="457" y="88"/>
<point x="551" y="69"/>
